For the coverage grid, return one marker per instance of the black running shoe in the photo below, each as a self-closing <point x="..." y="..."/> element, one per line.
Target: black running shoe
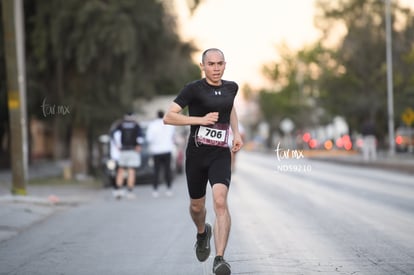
<point x="221" y="267"/>
<point x="202" y="246"/>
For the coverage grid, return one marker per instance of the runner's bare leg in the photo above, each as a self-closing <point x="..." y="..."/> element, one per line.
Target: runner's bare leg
<point x="198" y="213"/>
<point x="223" y="219"/>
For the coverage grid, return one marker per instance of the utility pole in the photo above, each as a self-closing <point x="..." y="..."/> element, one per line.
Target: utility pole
<point x="16" y="92"/>
<point x="390" y="92"/>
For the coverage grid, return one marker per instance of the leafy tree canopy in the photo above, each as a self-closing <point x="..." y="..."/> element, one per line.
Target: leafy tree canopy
<point x="98" y="56"/>
<point x="350" y="78"/>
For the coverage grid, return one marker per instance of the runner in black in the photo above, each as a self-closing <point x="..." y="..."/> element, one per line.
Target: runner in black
<point x="130" y="140"/>
<point x="210" y="114"/>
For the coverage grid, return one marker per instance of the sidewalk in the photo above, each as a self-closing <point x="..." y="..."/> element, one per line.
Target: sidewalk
<point x="43" y="199"/>
<point x="39" y="169"/>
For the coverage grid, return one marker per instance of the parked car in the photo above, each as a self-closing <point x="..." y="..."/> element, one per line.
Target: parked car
<point x="404" y="139"/>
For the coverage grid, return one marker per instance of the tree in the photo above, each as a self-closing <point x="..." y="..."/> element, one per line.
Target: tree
<point x="291" y="98"/>
<point x="403" y="45"/>
<point x="4" y="114"/>
<point x="353" y="82"/>
<point x="348" y="79"/>
<point x="95" y="57"/>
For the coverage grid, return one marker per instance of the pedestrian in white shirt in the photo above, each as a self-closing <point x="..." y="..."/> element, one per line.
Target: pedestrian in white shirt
<point x="160" y="138"/>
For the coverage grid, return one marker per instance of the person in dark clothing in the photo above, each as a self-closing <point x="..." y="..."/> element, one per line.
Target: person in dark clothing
<point x="211" y="113"/>
<point x="128" y="138"/>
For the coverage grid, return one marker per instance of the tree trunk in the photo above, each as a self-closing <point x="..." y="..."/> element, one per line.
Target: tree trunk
<point x="60" y="142"/>
<point x="79" y="151"/>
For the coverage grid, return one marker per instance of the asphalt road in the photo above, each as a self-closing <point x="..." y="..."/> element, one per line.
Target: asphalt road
<point x="289" y="216"/>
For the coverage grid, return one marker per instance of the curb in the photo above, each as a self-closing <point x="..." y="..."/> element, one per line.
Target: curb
<point x="51" y="200"/>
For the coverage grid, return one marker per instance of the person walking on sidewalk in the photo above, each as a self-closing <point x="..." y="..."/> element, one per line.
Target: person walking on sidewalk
<point x="369" y="145"/>
<point x="128" y="136"/>
<point x="160" y="138"/>
<point x="210" y="114"/>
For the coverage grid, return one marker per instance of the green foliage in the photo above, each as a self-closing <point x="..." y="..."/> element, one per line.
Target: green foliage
<point x="3" y="88"/>
<point x="4" y="114"/>
<point x="349" y="79"/>
<point x="356" y="86"/>
<point x="93" y="59"/>
<point x="295" y="75"/>
<point x="98" y="56"/>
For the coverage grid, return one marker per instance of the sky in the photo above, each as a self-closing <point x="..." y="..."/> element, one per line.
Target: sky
<point x="249" y="32"/>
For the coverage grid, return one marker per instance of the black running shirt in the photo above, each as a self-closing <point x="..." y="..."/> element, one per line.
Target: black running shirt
<point x="131" y="134"/>
<point x="202" y="98"/>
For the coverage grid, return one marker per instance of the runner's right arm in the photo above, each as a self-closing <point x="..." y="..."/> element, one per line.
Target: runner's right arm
<point x="174" y="116"/>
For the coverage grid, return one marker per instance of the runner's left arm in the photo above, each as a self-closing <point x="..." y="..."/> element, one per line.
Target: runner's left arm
<point x="234" y="124"/>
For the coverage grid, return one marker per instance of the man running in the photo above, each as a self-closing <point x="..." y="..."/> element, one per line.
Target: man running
<point x="210" y="113"/>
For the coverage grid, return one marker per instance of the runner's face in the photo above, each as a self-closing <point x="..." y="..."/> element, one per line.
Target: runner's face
<point x="213" y="67"/>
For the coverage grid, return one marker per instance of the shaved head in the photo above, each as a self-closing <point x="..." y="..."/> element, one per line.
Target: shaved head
<point x="203" y="57"/>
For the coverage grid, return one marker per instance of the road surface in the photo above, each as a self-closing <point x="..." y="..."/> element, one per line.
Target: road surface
<point x="289" y="216"/>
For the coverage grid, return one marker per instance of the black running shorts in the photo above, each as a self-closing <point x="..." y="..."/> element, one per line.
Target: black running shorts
<point x="206" y="163"/>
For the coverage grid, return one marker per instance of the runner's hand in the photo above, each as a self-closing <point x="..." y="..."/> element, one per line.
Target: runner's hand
<point x="210" y="118"/>
<point x="237" y="143"/>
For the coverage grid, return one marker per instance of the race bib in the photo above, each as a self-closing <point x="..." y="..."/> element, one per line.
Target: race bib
<point x="216" y="135"/>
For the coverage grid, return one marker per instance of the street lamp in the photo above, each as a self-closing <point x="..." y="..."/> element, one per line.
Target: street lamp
<point x="391" y="134"/>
